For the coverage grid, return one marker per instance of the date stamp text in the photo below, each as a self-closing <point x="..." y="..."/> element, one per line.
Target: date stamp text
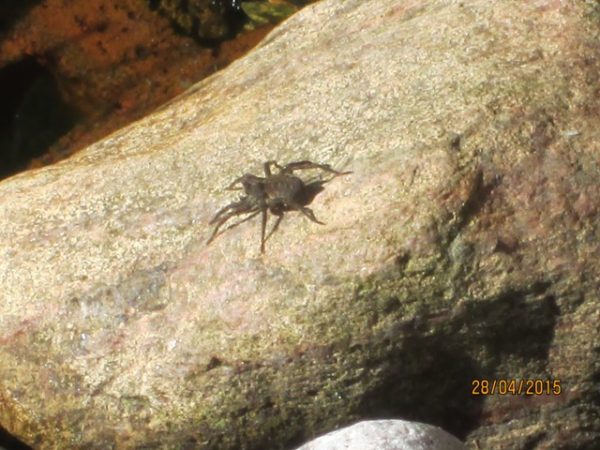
<point x="525" y="387"/>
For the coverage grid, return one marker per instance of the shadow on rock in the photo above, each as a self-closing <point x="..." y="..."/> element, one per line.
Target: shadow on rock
<point x="434" y="377"/>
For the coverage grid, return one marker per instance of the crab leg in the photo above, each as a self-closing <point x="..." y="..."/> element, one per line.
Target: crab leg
<point x="223" y="210"/>
<point x="226" y="217"/>
<point x="245" y="219"/>
<point x="240" y="180"/>
<point x="306" y="211"/>
<point x="262" y="230"/>
<point x="274" y="229"/>
<point x="267" y="167"/>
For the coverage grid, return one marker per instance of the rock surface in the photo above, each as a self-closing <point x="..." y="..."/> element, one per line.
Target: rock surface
<point x="386" y="435"/>
<point x="464" y="246"/>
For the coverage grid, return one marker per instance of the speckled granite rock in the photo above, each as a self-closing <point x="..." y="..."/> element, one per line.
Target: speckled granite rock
<point x="464" y="246"/>
<point x="386" y="435"/>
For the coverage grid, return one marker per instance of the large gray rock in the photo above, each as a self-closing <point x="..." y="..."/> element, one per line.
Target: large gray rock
<point x="386" y="435"/>
<point x="464" y="247"/>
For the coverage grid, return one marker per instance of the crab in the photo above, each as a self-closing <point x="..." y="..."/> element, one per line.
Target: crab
<point x="275" y="193"/>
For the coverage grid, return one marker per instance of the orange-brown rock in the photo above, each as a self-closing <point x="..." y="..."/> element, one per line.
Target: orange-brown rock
<point x="113" y="61"/>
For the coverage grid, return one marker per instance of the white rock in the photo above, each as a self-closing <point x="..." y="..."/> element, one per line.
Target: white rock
<point x="386" y="435"/>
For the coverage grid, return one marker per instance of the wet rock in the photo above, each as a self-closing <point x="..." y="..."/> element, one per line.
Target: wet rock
<point x="386" y="435"/>
<point x="104" y="63"/>
<point x="460" y="255"/>
<point x="207" y="20"/>
<point x="262" y="12"/>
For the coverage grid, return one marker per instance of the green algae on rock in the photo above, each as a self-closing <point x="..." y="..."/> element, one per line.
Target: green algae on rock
<point x="261" y="13"/>
<point x="206" y="20"/>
